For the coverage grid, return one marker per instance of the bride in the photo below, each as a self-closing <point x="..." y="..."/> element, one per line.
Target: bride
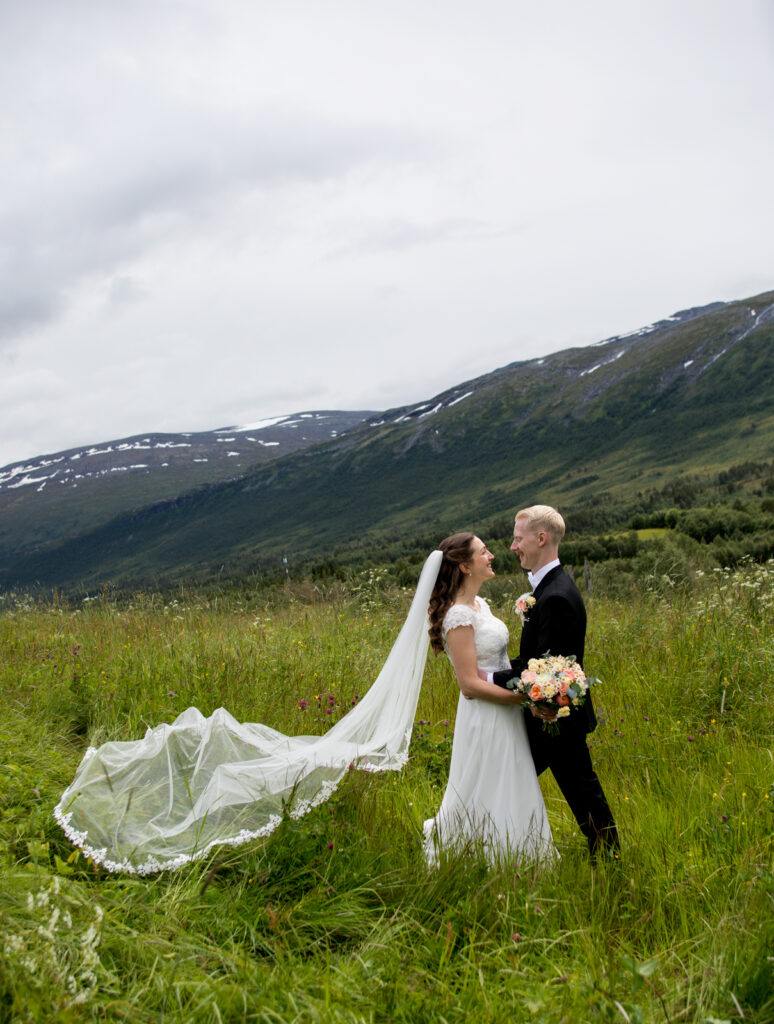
<point x="198" y="783"/>
<point x="493" y="796"/>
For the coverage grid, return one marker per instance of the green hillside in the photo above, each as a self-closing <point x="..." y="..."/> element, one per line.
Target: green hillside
<point x="694" y="394"/>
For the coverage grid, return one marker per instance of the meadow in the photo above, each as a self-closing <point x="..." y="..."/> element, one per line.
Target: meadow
<point x="335" y="917"/>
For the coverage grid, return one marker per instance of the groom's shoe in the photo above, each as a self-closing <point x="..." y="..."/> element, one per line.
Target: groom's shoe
<point x="603" y="842"/>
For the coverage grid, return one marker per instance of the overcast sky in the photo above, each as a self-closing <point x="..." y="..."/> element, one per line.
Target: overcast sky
<point x="212" y="211"/>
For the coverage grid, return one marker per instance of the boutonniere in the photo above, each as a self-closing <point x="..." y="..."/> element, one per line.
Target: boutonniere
<point x="524" y="606"/>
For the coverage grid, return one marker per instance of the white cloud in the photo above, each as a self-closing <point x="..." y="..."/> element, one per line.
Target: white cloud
<point x="212" y="212"/>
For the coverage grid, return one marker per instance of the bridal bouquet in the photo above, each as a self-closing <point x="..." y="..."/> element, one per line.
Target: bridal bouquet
<point x="555" y="681"/>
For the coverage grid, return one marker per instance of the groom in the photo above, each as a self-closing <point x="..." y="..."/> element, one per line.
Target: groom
<point x="556" y="624"/>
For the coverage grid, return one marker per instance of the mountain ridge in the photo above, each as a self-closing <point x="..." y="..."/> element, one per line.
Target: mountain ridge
<point x="631" y="411"/>
<point x="115" y="481"/>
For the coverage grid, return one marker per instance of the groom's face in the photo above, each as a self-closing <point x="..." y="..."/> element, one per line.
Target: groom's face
<point x="528" y="544"/>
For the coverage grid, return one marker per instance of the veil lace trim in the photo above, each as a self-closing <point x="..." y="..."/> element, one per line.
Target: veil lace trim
<point x="197" y="783"/>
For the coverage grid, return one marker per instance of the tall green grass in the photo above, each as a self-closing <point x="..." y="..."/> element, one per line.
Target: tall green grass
<point x="335" y="917"/>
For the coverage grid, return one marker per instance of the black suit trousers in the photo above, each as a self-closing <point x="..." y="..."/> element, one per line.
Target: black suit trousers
<point x="570" y="762"/>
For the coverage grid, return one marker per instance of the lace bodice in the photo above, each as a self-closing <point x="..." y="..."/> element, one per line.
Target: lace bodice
<point x="490" y="634"/>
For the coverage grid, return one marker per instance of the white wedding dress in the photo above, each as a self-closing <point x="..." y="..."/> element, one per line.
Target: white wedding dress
<point x="493" y="796"/>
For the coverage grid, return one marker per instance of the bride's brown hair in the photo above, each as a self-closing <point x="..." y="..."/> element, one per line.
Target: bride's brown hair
<point x="456" y="549"/>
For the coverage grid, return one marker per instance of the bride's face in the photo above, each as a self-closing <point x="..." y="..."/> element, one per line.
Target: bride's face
<point x="480" y="562"/>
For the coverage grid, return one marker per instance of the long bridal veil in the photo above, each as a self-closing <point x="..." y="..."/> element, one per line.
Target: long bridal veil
<point x="197" y="783"/>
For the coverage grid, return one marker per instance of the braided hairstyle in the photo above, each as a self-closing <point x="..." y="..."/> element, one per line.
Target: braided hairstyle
<point x="456" y="549"/>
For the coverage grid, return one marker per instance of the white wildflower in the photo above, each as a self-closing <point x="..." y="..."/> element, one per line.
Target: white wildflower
<point x="53" y="959"/>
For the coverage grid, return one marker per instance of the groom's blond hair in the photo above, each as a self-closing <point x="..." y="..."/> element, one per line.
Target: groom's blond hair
<point x="546" y="519"/>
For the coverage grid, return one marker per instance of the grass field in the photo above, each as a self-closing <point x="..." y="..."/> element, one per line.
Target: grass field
<point x="335" y="917"/>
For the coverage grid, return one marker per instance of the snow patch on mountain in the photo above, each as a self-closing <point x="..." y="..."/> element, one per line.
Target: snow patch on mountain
<point x="454" y="402"/>
<point x="256" y="425"/>
<point x="605" y="362"/>
<point x="431" y="412"/>
<point x="419" y="412"/>
<point x="276" y="421"/>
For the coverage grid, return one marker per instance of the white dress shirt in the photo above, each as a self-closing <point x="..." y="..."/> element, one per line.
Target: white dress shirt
<point x="536" y="577"/>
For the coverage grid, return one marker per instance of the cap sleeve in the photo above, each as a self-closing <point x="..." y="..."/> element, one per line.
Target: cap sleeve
<point x="458" y="615"/>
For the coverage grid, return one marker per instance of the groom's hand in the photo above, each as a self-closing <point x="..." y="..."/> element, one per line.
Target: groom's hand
<point x="482" y="675"/>
<point x="543" y="712"/>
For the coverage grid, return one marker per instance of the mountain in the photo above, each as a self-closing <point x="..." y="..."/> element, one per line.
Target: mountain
<point x="54" y="497"/>
<point x="693" y="392"/>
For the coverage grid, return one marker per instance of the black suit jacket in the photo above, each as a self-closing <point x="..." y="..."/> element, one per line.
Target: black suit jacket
<point x="556" y="624"/>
